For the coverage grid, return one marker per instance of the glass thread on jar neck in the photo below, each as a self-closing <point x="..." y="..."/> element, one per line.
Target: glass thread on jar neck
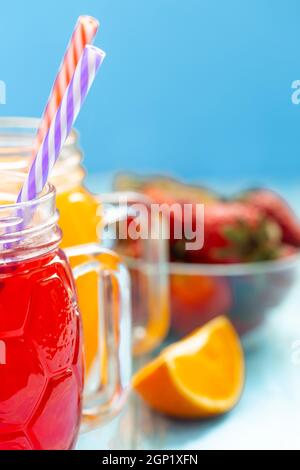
<point x="28" y="229"/>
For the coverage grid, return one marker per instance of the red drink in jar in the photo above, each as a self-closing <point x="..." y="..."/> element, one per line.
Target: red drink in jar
<point x="41" y="354"/>
<point x="41" y="368"/>
<point x="42" y="379"/>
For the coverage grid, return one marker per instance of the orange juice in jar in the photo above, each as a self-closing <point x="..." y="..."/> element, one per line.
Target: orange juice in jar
<point x="82" y="220"/>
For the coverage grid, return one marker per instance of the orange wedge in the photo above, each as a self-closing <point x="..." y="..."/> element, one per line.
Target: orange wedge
<point x="200" y="376"/>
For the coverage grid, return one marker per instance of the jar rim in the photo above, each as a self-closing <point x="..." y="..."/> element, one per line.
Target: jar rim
<point x="48" y="192"/>
<point x="27" y="228"/>
<point x="17" y="136"/>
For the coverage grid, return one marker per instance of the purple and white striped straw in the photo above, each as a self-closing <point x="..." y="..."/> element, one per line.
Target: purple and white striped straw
<point x="62" y="123"/>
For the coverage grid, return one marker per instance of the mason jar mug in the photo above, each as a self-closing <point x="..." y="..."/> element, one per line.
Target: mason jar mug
<point x="43" y="401"/>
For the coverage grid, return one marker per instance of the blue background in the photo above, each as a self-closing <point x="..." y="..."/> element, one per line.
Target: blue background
<point x="198" y="88"/>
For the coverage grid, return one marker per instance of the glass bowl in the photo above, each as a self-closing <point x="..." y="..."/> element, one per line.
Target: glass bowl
<point x="246" y="293"/>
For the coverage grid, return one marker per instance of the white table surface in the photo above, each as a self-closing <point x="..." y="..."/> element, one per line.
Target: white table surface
<point x="268" y="415"/>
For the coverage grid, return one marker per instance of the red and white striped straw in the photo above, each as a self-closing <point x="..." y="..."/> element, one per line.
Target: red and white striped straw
<point x="83" y="34"/>
<point x="62" y="123"/>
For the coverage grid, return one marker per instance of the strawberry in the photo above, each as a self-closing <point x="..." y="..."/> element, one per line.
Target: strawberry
<point x="236" y="232"/>
<point x="272" y="205"/>
<point x="170" y="194"/>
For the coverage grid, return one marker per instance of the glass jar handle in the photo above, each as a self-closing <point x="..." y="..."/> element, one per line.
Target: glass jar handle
<point x="114" y="333"/>
<point x="153" y="265"/>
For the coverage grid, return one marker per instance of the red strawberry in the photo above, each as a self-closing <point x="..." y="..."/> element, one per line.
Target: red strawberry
<point x="271" y="204"/>
<point x="170" y="194"/>
<point x="236" y="232"/>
